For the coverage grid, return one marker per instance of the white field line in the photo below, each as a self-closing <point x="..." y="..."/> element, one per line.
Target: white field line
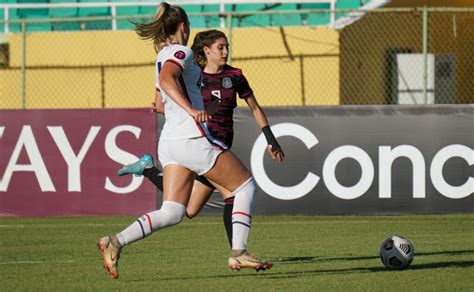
<point x="35" y="262"/>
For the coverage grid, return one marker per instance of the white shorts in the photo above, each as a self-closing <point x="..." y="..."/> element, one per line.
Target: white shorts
<point x="197" y="154"/>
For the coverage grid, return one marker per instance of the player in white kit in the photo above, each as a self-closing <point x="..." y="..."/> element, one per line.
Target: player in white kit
<point x="186" y="148"/>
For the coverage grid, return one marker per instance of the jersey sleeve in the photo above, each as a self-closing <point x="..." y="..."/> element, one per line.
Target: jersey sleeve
<point x="243" y="88"/>
<point x="181" y="56"/>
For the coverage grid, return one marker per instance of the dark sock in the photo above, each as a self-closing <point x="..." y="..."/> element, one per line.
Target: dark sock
<point x="153" y="175"/>
<point x="229" y="205"/>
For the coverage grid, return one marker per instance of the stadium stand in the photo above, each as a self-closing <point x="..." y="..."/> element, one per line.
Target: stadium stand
<point x="347" y="4"/>
<point x="196" y="21"/>
<point x="30" y="13"/>
<point x="146" y="9"/>
<point x="66" y="12"/>
<point x="316" y="18"/>
<point x="211" y="21"/>
<point x="126" y="14"/>
<point x="95" y="11"/>
<point x="2" y="12"/>
<point x="252" y="20"/>
<point x="285" y="19"/>
<point x="125" y="23"/>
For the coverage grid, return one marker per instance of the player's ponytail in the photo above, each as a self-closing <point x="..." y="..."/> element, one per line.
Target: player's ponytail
<point x="165" y="24"/>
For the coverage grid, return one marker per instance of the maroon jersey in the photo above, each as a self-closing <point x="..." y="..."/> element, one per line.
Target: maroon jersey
<point x="223" y="88"/>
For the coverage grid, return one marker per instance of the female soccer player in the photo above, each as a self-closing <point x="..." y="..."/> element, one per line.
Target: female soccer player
<point x="220" y="85"/>
<point x="185" y="147"/>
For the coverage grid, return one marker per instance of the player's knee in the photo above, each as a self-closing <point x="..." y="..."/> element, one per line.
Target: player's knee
<point x="247" y="188"/>
<point x="175" y="212"/>
<point x="191" y="213"/>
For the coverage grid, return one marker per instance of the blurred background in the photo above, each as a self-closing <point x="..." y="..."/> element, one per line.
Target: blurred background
<point x="62" y="54"/>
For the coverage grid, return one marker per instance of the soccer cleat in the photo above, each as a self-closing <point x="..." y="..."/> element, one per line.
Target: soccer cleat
<point x="136" y="168"/>
<point x="243" y="260"/>
<point x="110" y="255"/>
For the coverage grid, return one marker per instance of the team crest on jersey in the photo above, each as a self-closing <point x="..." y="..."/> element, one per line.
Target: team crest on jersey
<point x="180" y="55"/>
<point x="226" y="82"/>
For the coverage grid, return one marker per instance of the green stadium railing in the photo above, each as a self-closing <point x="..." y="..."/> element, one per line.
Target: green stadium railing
<point x="52" y="9"/>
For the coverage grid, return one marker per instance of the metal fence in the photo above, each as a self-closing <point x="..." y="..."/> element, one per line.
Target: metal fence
<point x="382" y="56"/>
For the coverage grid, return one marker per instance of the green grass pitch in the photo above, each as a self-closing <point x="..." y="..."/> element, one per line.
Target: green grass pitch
<point x="310" y="253"/>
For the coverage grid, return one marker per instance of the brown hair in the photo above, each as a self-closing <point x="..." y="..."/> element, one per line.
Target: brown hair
<point x="205" y="39"/>
<point x="165" y="23"/>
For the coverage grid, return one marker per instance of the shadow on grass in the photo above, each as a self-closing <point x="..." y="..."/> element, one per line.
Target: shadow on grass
<point x="311" y="259"/>
<point x="274" y="273"/>
<point x="437" y="265"/>
<point x="296" y="274"/>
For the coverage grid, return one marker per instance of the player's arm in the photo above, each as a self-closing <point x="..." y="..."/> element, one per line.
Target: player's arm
<point x="169" y="74"/>
<point x="273" y="147"/>
<point x="158" y="106"/>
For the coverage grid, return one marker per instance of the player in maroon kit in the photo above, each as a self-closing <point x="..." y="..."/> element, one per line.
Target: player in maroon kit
<point x="221" y="83"/>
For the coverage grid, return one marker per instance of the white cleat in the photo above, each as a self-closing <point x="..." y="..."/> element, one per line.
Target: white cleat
<point x="243" y="260"/>
<point x="110" y="255"/>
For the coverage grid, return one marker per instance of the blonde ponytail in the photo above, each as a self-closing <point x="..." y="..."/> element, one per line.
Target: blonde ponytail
<point x="165" y="23"/>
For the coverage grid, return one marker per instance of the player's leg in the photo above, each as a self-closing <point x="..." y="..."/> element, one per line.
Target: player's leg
<point x="200" y="194"/>
<point x="230" y="173"/>
<point x="227" y="216"/>
<point x="154" y="175"/>
<point x="178" y="183"/>
<point x="202" y="191"/>
<point x="146" y="167"/>
<point x="228" y="207"/>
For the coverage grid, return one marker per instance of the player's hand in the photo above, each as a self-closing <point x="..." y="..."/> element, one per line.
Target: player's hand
<point x="276" y="154"/>
<point x="199" y="116"/>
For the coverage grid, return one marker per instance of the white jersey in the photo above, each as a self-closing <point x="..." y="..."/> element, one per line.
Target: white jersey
<point x="179" y="124"/>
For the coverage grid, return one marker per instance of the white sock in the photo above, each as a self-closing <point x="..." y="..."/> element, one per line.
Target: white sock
<point x="171" y="213"/>
<point x="241" y="214"/>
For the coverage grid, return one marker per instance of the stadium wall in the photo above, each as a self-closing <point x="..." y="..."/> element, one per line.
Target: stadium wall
<point x="339" y="160"/>
<point x="89" y="69"/>
<point x="375" y="159"/>
<point x="64" y="162"/>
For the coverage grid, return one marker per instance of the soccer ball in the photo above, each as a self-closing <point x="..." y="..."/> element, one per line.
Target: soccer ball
<point x="396" y="252"/>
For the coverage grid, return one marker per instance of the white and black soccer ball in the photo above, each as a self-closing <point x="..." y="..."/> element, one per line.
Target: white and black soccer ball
<point x="397" y="252"/>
